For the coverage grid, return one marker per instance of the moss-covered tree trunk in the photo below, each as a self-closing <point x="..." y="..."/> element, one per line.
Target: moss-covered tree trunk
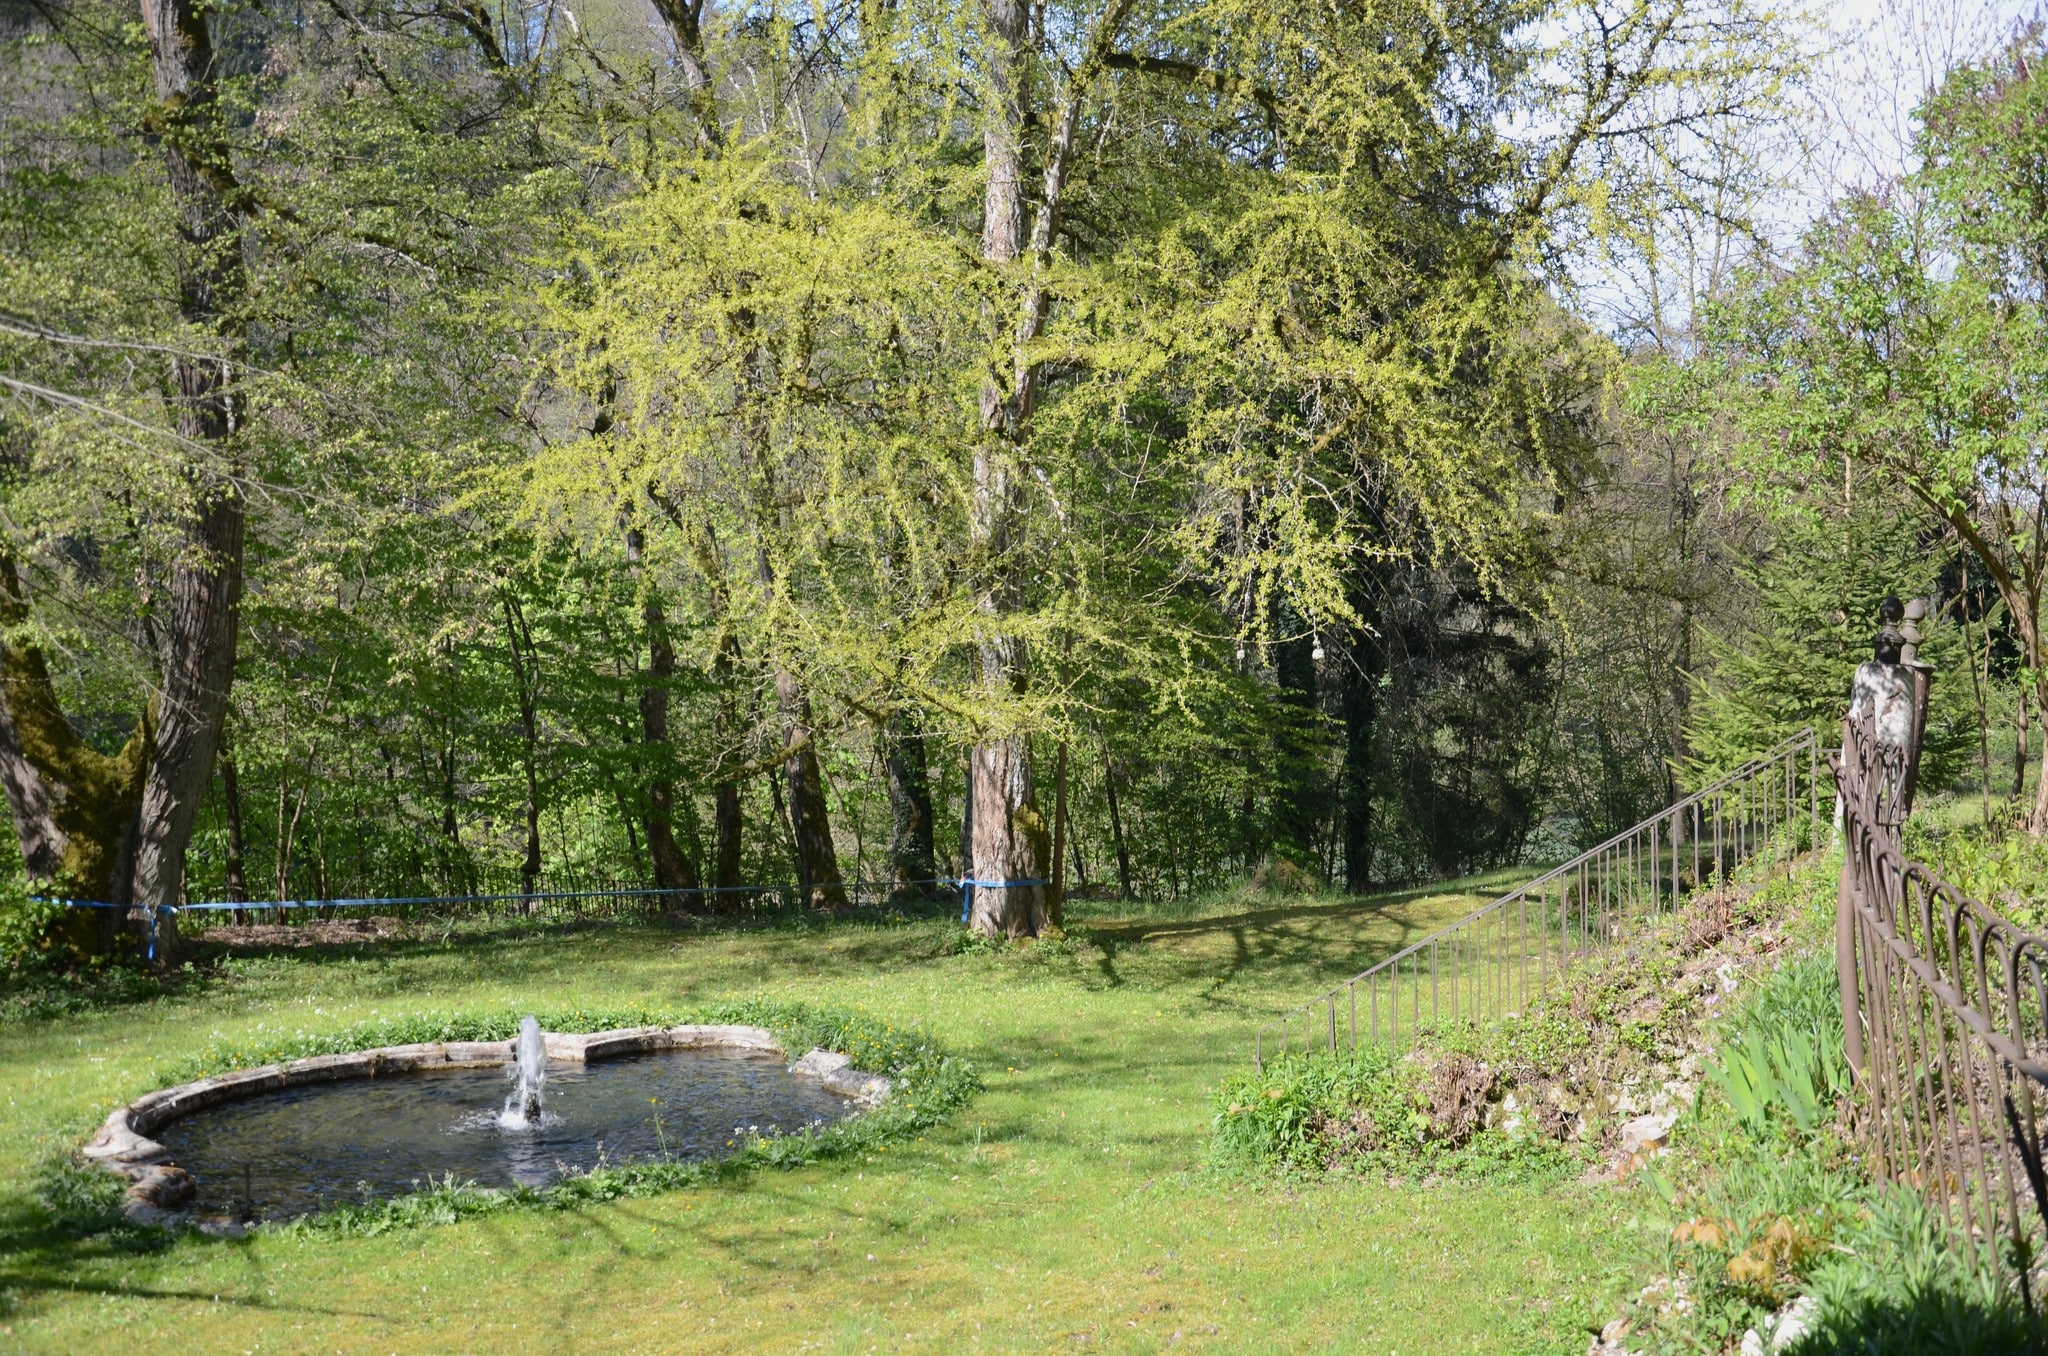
<point x="76" y="811"/>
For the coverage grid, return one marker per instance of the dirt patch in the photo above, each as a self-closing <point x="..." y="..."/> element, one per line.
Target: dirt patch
<point x="311" y="932"/>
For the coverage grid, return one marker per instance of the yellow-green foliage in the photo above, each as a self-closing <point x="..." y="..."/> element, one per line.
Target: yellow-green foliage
<point x="1260" y="326"/>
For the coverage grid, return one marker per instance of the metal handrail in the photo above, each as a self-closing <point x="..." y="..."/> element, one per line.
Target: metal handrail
<point x="1805" y="741"/>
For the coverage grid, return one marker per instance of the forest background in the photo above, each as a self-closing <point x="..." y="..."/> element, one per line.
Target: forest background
<point x="453" y="446"/>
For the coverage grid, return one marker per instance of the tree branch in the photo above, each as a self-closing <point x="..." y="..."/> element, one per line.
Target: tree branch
<point x="1201" y="77"/>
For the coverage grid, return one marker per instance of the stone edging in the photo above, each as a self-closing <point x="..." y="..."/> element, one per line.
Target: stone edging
<point x="122" y="1145"/>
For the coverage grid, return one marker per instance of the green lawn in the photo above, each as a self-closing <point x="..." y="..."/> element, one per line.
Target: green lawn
<point x="1066" y="1209"/>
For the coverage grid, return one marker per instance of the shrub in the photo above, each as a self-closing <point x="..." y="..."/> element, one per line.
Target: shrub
<point x="2000" y="865"/>
<point x="1368" y="1111"/>
<point x="1774" y="1204"/>
<point x="1285" y="1114"/>
<point x="1903" y="1282"/>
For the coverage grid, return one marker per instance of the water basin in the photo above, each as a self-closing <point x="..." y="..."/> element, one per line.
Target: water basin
<point x="287" y="1153"/>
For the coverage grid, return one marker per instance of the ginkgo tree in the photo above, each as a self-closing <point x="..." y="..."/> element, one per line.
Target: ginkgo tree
<point x="989" y="312"/>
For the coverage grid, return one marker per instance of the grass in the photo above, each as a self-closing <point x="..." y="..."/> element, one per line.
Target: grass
<point x="1067" y="1207"/>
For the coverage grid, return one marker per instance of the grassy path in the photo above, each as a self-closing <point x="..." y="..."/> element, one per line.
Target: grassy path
<point x="1065" y="1210"/>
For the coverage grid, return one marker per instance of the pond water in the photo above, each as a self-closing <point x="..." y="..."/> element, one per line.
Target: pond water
<point x="283" y="1154"/>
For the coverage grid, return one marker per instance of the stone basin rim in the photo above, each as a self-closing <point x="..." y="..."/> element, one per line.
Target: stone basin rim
<point x="122" y="1144"/>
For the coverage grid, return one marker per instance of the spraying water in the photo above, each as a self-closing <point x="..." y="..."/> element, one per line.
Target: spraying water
<point x="529" y="1072"/>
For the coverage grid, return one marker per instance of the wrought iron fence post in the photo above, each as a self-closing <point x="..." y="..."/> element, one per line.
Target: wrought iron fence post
<point x="1876" y="791"/>
<point x="1845" y="958"/>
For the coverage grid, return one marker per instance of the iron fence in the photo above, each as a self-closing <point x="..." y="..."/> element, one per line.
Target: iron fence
<point x="1945" y="1009"/>
<point x="1494" y="960"/>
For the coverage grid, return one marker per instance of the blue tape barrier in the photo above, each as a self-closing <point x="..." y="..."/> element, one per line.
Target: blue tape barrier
<point x="153" y="913"/>
<point x="150" y="915"/>
<point x="968" y="887"/>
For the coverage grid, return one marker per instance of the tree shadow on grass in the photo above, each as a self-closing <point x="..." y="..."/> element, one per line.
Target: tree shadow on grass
<point x="1925" y="1323"/>
<point x="1144" y="929"/>
<point x="48" y="995"/>
<point x="67" y="1236"/>
<point x="1289" y="945"/>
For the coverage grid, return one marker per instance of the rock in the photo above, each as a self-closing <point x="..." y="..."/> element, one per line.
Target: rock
<point x="224" y="1226"/>
<point x="1795" y="1322"/>
<point x="1667" y="1295"/>
<point x="1674" y="1096"/>
<point x="163" y="1186"/>
<point x="1783" y="1328"/>
<point x="1611" y="1341"/>
<point x="820" y="1063"/>
<point x="1647" y="1134"/>
<point x="868" y="1089"/>
<point x="141" y="1212"/>
<point x="1505" y="1115"/>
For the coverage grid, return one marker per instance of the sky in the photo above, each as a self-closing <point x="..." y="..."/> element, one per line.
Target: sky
<point x="1888" y="54"/>
<point x="1854" y="129"/>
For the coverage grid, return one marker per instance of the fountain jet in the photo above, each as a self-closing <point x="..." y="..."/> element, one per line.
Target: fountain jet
<point x="529" y="1072"/>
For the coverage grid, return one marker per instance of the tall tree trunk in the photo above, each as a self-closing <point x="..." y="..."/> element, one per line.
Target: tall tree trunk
<point x="201" y="624"/>
<point x="1299" y="798"/>
<point x="966" y="853"/>
<point x="237" y="863"/>
<point x="1116" y="821"/>
<point x="1056" y="888"/>
<point x="810" y="826"/>
<point x="2021" y="738"/>
<point x="810" y="820"/>
<point x="780" y="812"/>
<point x="913" y="855"/>
<point x="1080" y="865"/>
<point x="1979" y="692"/>
<point x="672" y="870"/>
<point x="731" y="834"/>
<point x="730" y="824"/>
<point x="1010" y="838"/>
<point x="459" y="880"/>
<point x="1007" y="838"/>
<point x="1683" y="508"/>
<point x="1361" y="730"/>
<point x="2038" y="822"/>
<point x="527" y="680"/>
